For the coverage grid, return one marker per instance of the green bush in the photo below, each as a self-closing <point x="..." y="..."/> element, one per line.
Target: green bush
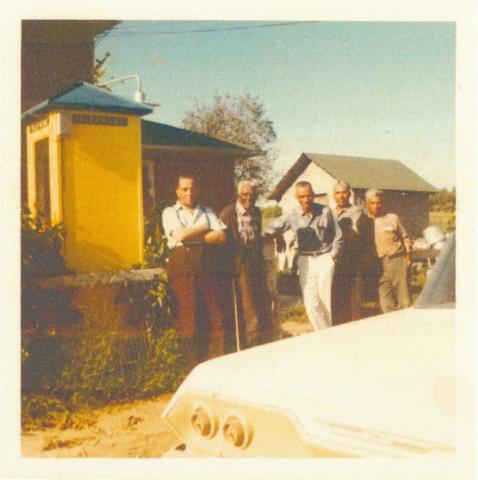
<point x="44" y="411"/>
<point x="156" y="251"/>
<point x="41" y="256"/>
<point x="150" y="304"/>
<point x="63" y="376"/>
<point x="41" y="247"/>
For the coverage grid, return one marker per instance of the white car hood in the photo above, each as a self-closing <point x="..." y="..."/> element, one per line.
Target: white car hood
<point x="393" y="373"/>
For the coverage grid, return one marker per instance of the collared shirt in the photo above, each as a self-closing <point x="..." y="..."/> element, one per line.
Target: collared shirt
<point x="247" y="230"/>
<point x="177" y="217"/>
<point x="390" y="236"/>
<point x="322" y="221"/>
<point x="350" y="221"/>
<point x="354" y="212"/>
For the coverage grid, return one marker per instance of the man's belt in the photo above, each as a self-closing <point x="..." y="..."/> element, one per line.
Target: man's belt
<point x="192" y="244"/>
<point x="394" y="255"/>
<point x="311" y="254"/>
<point x="189" y="246"/>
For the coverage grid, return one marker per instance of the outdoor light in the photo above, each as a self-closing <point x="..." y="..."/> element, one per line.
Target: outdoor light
<point x="138" y="94"/>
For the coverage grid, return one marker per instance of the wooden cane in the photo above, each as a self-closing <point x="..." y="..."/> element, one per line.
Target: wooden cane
<point x="236" y="314"/>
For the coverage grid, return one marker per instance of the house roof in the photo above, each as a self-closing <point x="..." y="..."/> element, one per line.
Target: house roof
<point x="84" y="96"/>
<point x="69" y="32"/>
<point x="358" y="172"/>
<point x="162" y="135"/>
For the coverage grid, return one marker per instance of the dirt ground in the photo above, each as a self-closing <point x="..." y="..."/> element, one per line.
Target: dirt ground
<point x="131" y="430"/>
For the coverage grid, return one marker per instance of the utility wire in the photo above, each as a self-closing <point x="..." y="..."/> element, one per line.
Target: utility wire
<point x="120" y="32"/>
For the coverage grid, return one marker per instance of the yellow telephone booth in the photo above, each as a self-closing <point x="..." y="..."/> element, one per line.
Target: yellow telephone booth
<point x="84" y="172"/>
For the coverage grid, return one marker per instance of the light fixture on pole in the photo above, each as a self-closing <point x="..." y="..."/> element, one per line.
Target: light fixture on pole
<point x="138" y="94"/>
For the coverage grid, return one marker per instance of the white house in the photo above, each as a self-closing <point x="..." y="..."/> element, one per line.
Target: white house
<point x="405" y="193"/>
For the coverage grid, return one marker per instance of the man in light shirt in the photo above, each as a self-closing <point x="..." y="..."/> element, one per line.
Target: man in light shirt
<point x="393" y="249"/>
<point x="319" y="241"/>
<point x="192" y="230"/>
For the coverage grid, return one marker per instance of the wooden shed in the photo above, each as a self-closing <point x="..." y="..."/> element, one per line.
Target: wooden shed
<point x="405" y="193"/>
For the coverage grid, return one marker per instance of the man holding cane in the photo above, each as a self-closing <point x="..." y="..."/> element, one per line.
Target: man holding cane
<point x="248" y="299"/>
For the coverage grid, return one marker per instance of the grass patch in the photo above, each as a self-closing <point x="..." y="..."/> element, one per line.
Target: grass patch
<point x="295" y="313"/>
<point x="64" y="378"/>
<point x="288" y="283"/>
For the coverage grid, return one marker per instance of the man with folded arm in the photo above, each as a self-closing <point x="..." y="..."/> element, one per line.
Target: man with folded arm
<point x="192" y="231"/>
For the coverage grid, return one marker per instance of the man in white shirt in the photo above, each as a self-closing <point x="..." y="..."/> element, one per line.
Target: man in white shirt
<point x="192" y="230"/>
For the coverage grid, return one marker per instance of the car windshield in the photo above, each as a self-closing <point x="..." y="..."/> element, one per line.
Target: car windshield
<point x="439" y="290"/>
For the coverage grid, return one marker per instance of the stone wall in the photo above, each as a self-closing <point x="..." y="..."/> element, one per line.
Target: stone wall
<point x="97" y="302"/>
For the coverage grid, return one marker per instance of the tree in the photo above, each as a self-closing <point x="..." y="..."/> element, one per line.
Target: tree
<point x="443" y="200"/>
<point x="99" y="69"/>
<point x="269" y="214"/>
<point x="239" y="120"/>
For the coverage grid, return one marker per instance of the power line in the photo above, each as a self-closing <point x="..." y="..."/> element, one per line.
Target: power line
<point x="127" y="32"/>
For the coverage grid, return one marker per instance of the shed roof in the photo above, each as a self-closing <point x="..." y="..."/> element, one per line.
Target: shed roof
<point x="358" y="172"/>
<point x="156" y="134"/>
<point x="84" y="96"/>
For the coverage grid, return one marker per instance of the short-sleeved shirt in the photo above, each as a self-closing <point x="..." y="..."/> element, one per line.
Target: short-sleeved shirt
<point x="390" y="236"/>
<point x="177" y="217"/>
<point x="322" y="222"/>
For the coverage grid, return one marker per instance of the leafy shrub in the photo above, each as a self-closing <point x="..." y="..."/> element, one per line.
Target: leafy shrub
<point x="150" y="304"/>
<point x="41" y="247"/>
<point x="43" y="411"/>
<point x="41" y="256"/>
<point x="61" y="377"/>
<point x="156" y="251"/>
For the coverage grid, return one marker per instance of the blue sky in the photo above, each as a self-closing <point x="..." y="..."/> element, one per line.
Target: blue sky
<point x="381" y="89"/>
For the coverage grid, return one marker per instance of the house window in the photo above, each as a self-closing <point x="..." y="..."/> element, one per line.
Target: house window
<point x="42" y="179"/>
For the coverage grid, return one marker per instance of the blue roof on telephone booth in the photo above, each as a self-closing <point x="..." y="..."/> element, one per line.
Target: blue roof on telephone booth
<point x="84" y="96"/>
